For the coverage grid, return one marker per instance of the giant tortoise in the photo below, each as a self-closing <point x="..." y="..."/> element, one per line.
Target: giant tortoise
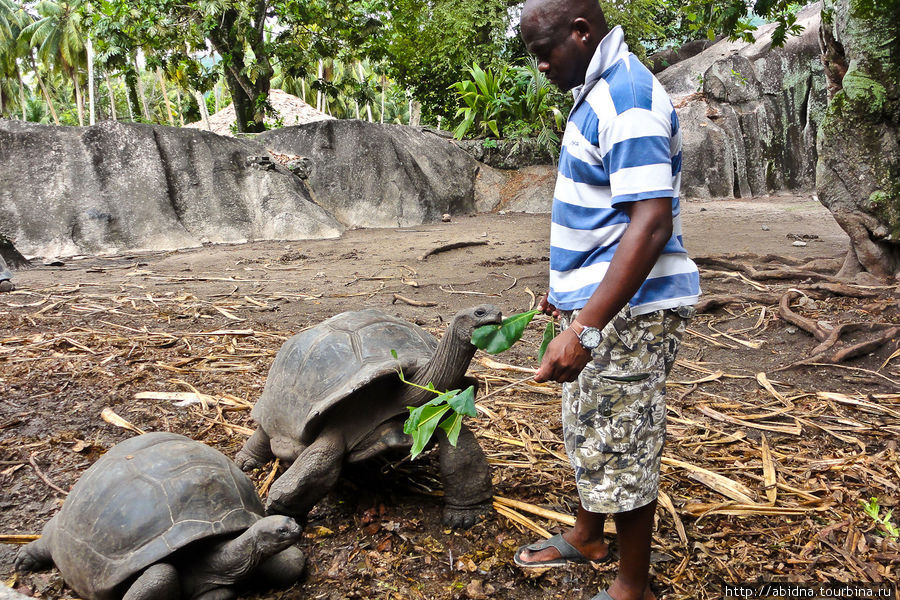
<point x="333" y="394"/>
<point x="164" y="517"/>
<point x="6" y="284"/>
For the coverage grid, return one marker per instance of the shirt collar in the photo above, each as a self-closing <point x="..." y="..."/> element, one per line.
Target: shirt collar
<point x="610" y="50"/>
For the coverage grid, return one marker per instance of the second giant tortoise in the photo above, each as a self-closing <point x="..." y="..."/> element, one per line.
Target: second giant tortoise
<point x="163" y="517"/>
<point x="333" y="394"/>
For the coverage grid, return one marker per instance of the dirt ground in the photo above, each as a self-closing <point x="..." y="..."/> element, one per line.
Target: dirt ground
<point x="800" y="446"/>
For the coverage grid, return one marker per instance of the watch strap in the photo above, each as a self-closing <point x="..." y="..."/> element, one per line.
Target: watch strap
<point x="577" y="327"/>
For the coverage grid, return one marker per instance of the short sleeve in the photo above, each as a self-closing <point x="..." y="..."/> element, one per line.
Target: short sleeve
<point x="637" y="155"/>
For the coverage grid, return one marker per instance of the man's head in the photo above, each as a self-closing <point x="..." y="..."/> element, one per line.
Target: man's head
<point x="563" y="35"/>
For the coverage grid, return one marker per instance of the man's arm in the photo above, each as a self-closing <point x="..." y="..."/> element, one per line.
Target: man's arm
<point x="640" y="247"/>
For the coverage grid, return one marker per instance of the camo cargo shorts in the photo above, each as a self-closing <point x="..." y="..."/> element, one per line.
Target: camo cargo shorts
<point x="614" y="415"/>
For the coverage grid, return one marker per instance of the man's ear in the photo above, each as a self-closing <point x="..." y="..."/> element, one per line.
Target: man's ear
<point x="581" y="28"/>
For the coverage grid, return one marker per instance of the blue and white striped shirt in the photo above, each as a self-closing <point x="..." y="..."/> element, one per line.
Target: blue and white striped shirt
<point x="622" y="144"/>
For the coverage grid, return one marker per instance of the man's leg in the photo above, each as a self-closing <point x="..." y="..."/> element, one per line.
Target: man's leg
<point x="634" y="530"/>
<point x="586" y="536"/>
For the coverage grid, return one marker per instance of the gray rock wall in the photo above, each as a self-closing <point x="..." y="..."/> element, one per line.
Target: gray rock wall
<point x="380" y="175"/>
<point x="115" y="186"/>
<point x="750" y="113"/>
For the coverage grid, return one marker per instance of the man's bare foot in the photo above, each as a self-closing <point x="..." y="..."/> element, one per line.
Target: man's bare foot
<point x="591" y="550"/>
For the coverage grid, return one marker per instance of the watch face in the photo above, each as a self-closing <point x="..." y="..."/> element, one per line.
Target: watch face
<point x="590" y="337"/>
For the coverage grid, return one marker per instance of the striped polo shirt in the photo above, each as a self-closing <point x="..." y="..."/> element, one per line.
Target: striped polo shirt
<point x="622" y="144"/>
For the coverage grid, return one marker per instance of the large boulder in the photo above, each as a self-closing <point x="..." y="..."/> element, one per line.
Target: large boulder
<point x="373" y="175"/>
<point x="117" y="186"/>
<point x="750" y="113"/>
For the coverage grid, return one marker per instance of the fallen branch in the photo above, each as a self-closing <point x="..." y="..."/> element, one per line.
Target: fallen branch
<point x="44" y="478"/>
<point x="453" y="246"/>
<point x="411" y="302"/>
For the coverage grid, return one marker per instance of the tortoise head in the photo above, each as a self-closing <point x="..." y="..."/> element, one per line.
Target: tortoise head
<point x="274" y="533"/>
<point x="468" y="320"/>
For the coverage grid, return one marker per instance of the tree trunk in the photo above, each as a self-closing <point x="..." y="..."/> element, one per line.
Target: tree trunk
<point x="180" y="108"/>
<point x="112" y="98"/>
<point x="44" y="91"/>
<point x="858" y="169"/>
<point x="165" y="95"/>
<point x="23" y="100"/>
<point x="250" y="98"/>
<point x="201" y="106"/>
<point x="145" y="111"/>
<point x="90" y="67"/>
<point x="79" y="100"/>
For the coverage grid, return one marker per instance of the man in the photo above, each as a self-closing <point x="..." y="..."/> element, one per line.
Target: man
<point x="620" y="281"/>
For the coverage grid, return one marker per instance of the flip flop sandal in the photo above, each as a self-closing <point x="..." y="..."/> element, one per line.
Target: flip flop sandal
<point x="567" y="554"/>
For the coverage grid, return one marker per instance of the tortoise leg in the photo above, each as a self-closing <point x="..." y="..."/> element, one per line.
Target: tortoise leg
<point x="280" y="571"/>
<point x="309" y="478"/>
<point x="467" y="480"/>
<point x="157" y="582"/>
<point x="256" y="452"/>
<point x="36" y="555"/>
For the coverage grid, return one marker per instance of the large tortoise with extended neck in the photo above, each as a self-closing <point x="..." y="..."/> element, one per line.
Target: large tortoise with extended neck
<point x="163" y="517"/>
<point x="333" y="395"/>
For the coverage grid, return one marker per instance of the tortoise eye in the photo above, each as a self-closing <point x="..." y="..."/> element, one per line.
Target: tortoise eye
<point x="479" y="312"/>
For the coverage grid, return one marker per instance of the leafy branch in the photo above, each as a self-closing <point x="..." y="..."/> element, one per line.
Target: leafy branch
<point x="873" y="509"/>
<point x="448" y="408"/>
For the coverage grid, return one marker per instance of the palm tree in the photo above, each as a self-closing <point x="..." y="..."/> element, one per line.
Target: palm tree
<point x="57" y="35"/>
<point x="13" y="19"/>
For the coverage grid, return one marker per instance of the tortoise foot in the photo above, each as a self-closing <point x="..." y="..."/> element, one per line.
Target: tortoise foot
<point x="27" y="562"/>
<point x="7" y="286"/>
<point x="246" y="461"/>
<point x="465" y="517"/>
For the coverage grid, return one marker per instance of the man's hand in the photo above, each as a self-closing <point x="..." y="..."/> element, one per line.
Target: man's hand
<point x="564" y="359"/>
<point x="548" y="309"/>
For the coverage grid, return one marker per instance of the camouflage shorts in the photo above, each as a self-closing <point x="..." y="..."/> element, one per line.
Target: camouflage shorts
<point x="614" y="415"/>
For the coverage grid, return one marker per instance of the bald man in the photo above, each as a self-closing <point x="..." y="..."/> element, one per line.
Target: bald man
<point x="621" y="283"/>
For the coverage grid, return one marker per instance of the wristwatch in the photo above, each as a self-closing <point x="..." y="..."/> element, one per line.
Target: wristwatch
<point x="590" y="337"/>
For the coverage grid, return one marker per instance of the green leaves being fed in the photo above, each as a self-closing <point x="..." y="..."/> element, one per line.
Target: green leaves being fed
<point x="423" y="420"/>
<point x="448" y="408"/>
<point x="494" y="339"/>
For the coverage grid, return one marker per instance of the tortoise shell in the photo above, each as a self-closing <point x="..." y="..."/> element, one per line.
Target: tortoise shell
<point x="342" y="368"/>
<point x="141" y="501"/>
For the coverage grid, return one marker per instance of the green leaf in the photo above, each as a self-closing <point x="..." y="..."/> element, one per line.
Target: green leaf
<point x="417" y="414"/>
<point x="549" y="334"/>
<point x="464" y="403"/>
<point x="494" y="339"/>
<point x="430" y="417"/>
<point x="452" y="425"/>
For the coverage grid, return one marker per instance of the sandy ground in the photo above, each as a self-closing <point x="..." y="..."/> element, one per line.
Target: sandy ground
<point x="95" y="332"/>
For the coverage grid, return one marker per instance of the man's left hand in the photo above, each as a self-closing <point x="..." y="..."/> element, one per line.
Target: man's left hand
<point x="564" y="359"/>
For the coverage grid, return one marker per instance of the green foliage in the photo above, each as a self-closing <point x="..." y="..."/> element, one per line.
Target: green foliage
<point x="494" y="339"/>
<point x="510" y="102"/>
<point x="873" y="510"/>
<point x="455" y="404"/>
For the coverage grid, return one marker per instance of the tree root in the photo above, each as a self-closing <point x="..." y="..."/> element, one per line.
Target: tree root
<point x="817" y="291"/>
<point x="882" y="333"/>
<point x="779" y="272"/>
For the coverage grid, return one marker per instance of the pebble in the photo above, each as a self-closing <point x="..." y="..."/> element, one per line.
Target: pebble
<point x="791" y="330"/>
<point x="798" y="243"/>
<point x="765" y="227"/>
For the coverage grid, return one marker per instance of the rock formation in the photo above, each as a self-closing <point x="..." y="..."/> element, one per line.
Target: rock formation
<point x="116" y="186"/>
<point x="749" y="113"/>
<point x="372" y="175"/>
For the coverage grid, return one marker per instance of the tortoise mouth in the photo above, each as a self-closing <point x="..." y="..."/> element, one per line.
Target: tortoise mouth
<point x="488" y="315"/>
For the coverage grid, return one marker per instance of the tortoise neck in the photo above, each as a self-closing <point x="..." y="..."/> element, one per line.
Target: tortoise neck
<point x="445" y="370"/>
